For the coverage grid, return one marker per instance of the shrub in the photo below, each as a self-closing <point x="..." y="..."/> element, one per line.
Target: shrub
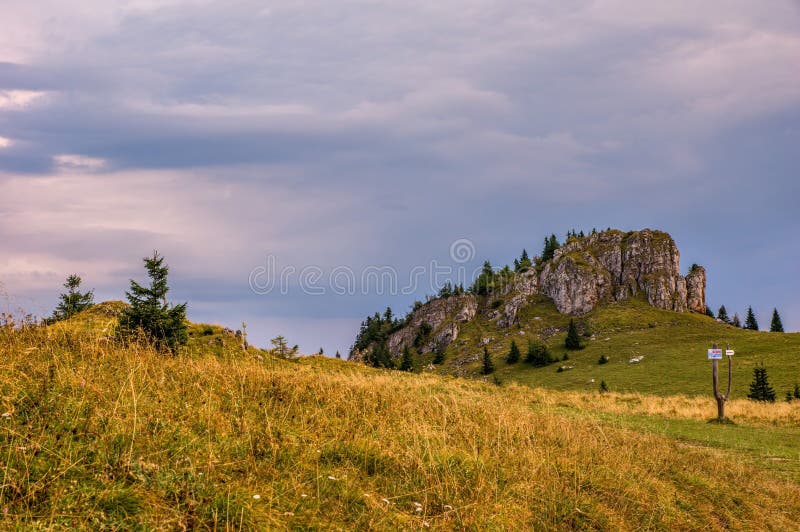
<point x="603" y="360"/>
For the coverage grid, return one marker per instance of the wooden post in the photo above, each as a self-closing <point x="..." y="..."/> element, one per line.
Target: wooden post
<point x="715" y="381"/>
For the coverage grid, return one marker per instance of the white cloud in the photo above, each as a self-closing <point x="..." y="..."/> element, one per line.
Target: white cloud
<point x="4" y="142"/>
<point x="18" y="99"/>
<point x="73" y="162"/>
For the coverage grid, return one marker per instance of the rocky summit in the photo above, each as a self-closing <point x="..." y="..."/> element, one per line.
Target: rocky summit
<point x="585" y="272"/>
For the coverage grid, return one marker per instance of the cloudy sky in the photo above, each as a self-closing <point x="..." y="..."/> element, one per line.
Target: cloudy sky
<point x="330" y="137"/>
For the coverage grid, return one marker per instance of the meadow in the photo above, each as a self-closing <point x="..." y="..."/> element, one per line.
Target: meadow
<point x="96" y="434"/>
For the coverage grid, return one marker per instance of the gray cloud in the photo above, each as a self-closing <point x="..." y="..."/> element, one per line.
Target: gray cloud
<point x="351" y="133"/>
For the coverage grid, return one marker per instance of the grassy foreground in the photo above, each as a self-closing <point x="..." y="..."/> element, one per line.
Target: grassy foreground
<point x="99" y="436"/>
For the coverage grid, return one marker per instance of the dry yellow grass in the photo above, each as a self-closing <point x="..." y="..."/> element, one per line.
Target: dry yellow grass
<point x="99" y="435"/>
<point x="742" y="411"/>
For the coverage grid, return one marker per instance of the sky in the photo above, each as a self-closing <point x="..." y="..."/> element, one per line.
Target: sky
<point x="302" y="164"/>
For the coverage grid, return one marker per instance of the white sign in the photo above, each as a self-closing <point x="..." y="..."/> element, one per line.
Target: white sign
<point x="715" y="354"/>
<point x="729" y="352"/>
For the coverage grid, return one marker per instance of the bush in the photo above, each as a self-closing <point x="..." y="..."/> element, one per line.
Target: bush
<point x="603" y="360"/>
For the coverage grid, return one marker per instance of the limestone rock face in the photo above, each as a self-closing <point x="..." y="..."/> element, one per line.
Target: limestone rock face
<point x="696" y="289"/>
<point x="575" y="281"/>
<point x="613" y="266"/>
<point x="435" y="313"/>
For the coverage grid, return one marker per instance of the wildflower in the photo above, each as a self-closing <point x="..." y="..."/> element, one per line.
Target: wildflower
<point x="331" y="477"/>
<point x="6" y="414"/>
<point x="303" y="495"/>
<point x="426" y="524"/>
<point x="288" y="513"/>
<point x="448" y="507"/>
<point x="386" y="501"/>
<point x="256" y="496"/>
<point x="367" y="495"/>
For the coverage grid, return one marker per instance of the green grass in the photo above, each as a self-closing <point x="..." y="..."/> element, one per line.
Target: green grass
<point x="673" y="345"/>
<point x="101" y="435"/>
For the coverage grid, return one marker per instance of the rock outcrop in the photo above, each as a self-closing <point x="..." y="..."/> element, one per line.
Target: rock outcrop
<point x="583" y="273"/>
<point x="442" y="316"/>
<point x="612" y="266"/>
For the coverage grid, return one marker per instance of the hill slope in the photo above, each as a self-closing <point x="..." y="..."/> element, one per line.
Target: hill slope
<point x="672" y="346"/>
<point x="95" y="435"/>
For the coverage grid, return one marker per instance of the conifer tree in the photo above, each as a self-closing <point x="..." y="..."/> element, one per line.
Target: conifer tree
<point x="736" y="321"/>
<point x="709" y="312"/>
<point x="438" y="354"/>
<point x="722" y="314"/>
<point x="488" y="366"/>
<point x="760" y="390"/>
<point x="338" y="355"/>
<point x="538" y="355"/>
<point x="74" y="300"/>
<point x="573" y="340"/>
<point x="776" y="325"/>
<point x="280" y="345"/>
<point x="407" y="363"/>
<point x="750" y="321"/>
<point x="149" y="312"/>
<point x="513" y="354"/>
<point x="603" y="387"/>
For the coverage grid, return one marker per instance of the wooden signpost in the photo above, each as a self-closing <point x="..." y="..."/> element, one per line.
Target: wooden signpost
<point x="715" y="354"/>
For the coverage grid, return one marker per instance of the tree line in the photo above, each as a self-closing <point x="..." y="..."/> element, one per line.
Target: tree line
<point x="750" y="321"/>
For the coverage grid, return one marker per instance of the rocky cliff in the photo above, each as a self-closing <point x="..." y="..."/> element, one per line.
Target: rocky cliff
<point x="583" y="273"/>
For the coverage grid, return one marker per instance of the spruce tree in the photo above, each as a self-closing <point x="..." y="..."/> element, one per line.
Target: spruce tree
<point x="760" y="390"/>
<point x="776" y="325"/>
<point x="149" y="312"/>
<point x="488" y="366"/>
<point x="407" y="363"/>
<point x="736" y="321"/>
<point x="338" y="355"/>
<point x="438" y="354"/>
<point x="573" y="340"/>
<point x="74" y="300"/>
<point x="513" y="354"/>
<point x="709" y="312"/>
<point x="722" y="314"/>
<point x="538" y="355"/>
<point x="750" y="321"/>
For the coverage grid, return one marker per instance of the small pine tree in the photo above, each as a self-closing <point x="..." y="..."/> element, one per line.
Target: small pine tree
<point x="407" y="363"/>
<point x="760" y="390"/>
<point x="603" y="387"/>
<point x="488" y="366"/>
<point x="573" y="340"/>
<point x="149" y="312"/>
<point x="338" y="355"/>
<point x="709" y="312"/>
<point x="776" y="325"/>
<point x="513" y="354"/>
<point x="796" y="391"/>
<point x="603" y="360"/>
<point x="722" y="314"/>
<point x="73" y="301"/>
<point x="538" y="355"/>
<point x="280" y="345"/>
<point x="750" y="321"/>
<point x="438" y="354"/>
<point x="736" y="321"/>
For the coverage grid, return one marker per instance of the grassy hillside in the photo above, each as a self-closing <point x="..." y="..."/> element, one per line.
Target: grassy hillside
<point x="673" y="346"/>
<point x="94" y="435"/>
